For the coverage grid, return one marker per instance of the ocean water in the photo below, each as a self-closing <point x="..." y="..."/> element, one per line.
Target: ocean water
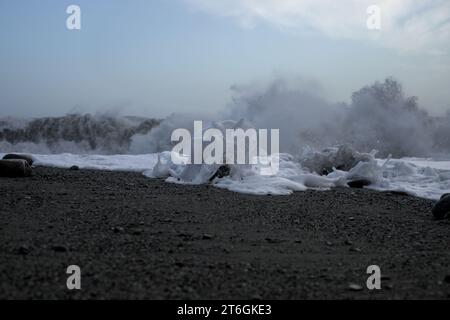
<point x="422" y="177"/>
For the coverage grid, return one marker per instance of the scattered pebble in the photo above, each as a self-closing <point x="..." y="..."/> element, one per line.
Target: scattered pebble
<point x="270" y="240"/>
<point x="24" y="250"/>
<point x="447" y="279"/>
<point x="207" y="236"/>
<point x="118" y="229"/>
<point x="59" y="248"/>
<point x="354" y="287"/>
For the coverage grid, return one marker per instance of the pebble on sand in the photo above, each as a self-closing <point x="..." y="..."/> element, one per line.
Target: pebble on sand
<point x="60" y="248"/>
<point x="207" y="236"/>
<point x="15" y="168"/>
<point x="354" y="287"/>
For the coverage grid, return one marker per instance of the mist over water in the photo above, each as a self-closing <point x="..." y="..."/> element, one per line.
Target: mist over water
<point x="379" y="117"/>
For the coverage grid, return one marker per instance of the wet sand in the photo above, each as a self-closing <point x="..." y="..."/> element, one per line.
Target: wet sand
<point x="140" y="238"/>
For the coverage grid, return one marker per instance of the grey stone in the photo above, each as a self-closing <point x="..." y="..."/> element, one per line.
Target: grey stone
<point x="15" y="168"/>
<point x="12" y="156"/>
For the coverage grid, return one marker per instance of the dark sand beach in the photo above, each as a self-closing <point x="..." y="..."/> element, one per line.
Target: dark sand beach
<point x="140" y="238"/>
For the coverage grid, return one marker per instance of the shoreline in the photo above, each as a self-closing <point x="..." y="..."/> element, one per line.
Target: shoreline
<point x="140" y="238"/>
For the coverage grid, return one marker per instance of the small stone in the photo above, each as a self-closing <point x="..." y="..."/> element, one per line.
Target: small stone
<point x="271" y="240"/>
<point x="74" y="168"/>
<point x="118" y="229"/>
<point x="207" y="236"/>
<point x="23" y="250"/>
<point x="354" y="287"/>
<point x="348" y="243"/>
<point x="447" y="279"/>
<point x="353" y="249"/>
<point x="59" y="248"/>
<point x="359" y="184"/>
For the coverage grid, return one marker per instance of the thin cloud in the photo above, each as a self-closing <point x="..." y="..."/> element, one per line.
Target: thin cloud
<point x="406" y="24"/>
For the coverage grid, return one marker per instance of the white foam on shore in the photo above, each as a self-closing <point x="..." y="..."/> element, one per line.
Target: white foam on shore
<point x="426" y="178"/>
<point x="134" y="163"/>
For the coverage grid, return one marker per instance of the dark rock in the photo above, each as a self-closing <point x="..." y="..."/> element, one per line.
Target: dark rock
<point x="23" y="250"/>
<point x="117" y="229"/>
<point x="60" y="248"/>
<point x="74" y="168"/>
<point x="442" y="208"/>
<point x="15" y="168"/>
<point x="12" y="156"/>
<point x="445" y="195"/>
<point x="447" y="279"/>
<point x="223" y="171"/>
<point x="207" y="236"/>
<point x="359" y="184"/>
<point x="271" y="240"/>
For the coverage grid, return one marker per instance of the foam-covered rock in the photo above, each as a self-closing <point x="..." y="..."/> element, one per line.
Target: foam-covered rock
<point x="342" y="158"/>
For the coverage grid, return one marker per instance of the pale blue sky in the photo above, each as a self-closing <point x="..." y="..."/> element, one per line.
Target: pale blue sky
<point x="155" y="57"/>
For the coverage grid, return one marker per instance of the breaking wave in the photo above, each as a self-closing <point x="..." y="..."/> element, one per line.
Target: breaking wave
<point x="101" y="134"/>
<point x="322" y="144"/>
